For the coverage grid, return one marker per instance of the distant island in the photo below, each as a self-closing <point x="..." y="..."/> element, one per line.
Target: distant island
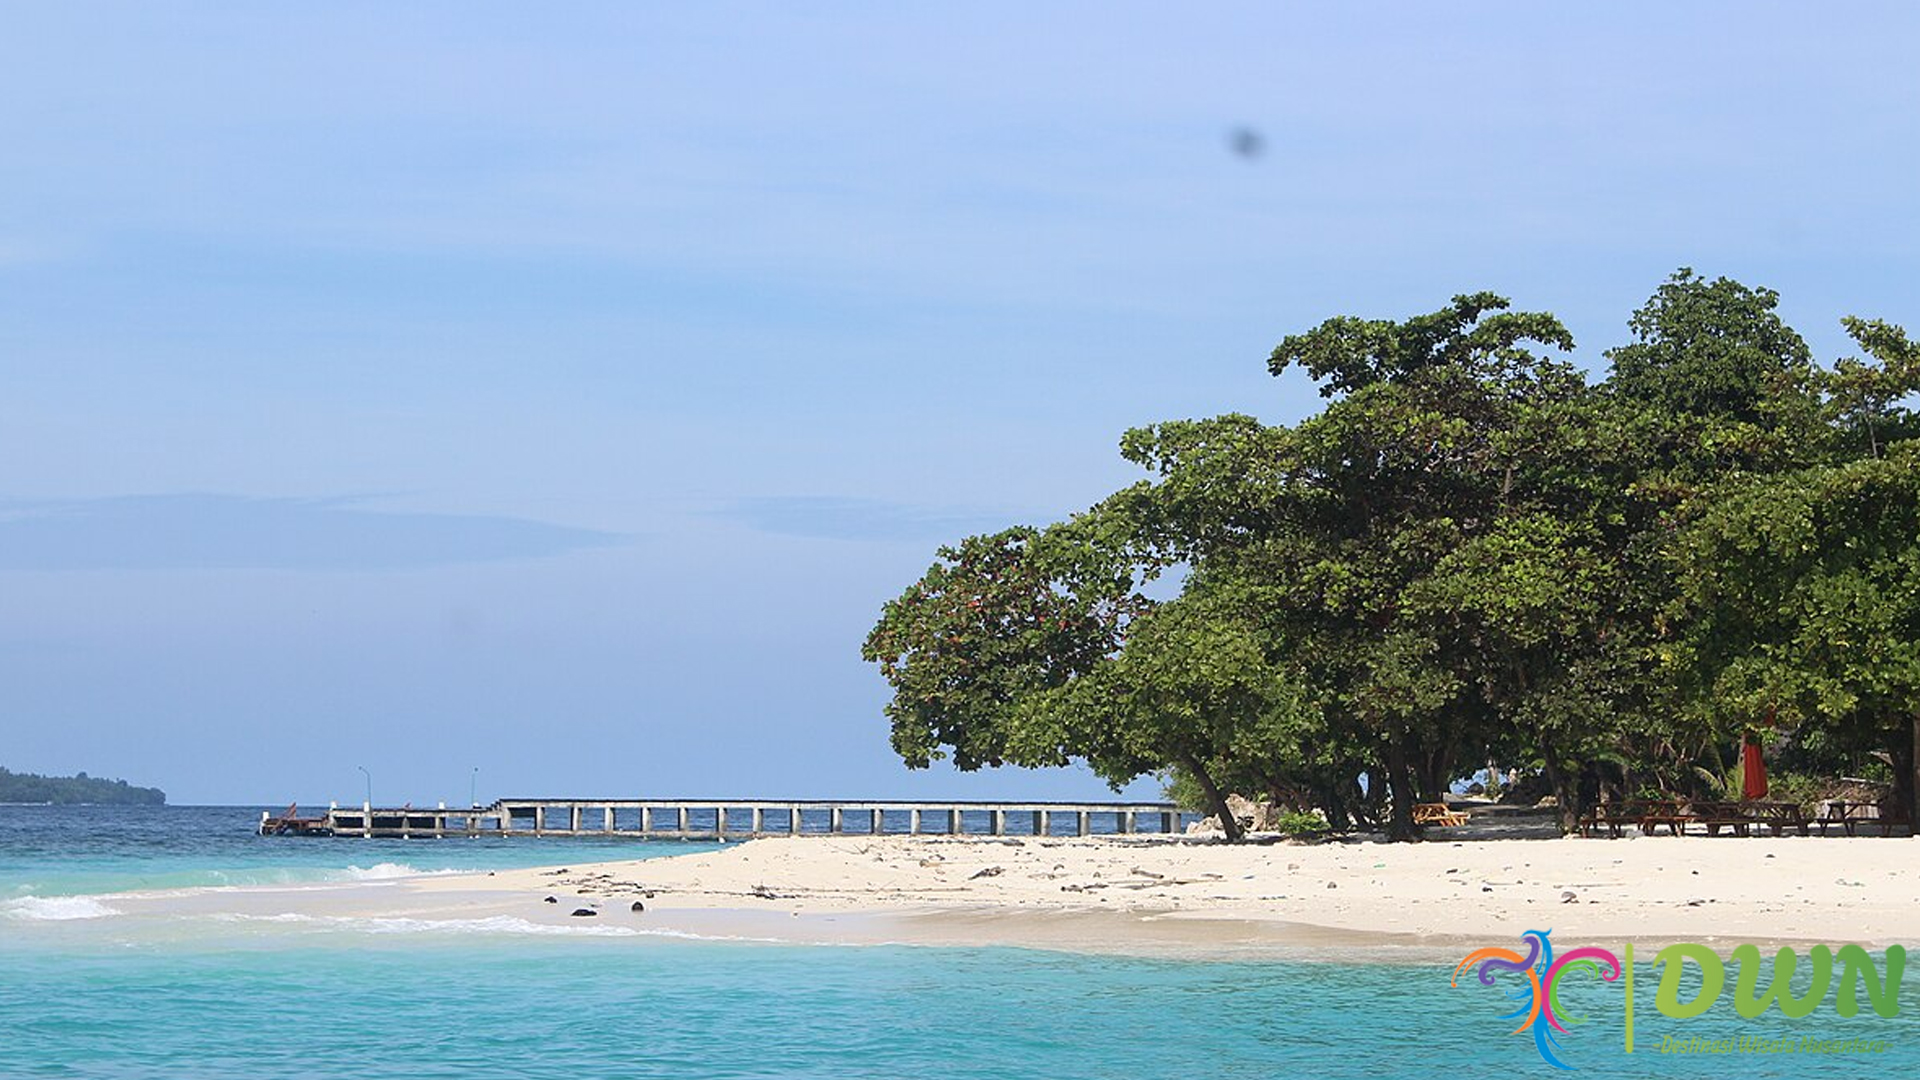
<point x="75" y="790"/>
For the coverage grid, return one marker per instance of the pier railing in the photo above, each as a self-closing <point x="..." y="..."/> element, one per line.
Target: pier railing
<point x="721" y="819"/>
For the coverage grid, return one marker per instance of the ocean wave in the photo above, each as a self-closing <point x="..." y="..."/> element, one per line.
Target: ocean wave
<point x="55" y="908"/>
<point x="388" y="871"/>
<point x="492" y="925"/>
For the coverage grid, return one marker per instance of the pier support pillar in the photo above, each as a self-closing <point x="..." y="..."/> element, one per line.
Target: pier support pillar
<point x="609" y="819"/>
<point x="680" y="818"/>
<point x="955" y="823"/>
<point x="1045" y="828"/>
<point x="913" y="822"/>
<point x="573" y="818"/>
<point x="877" y="821"/>
<point x="833" y="820"/>
<point x="1127" y="823"/>
<point x="720" y="821"/>
<point x="366" y="819"/>
<point x="1169" y="822"/>
<point x="539" y="820"/>
<point x="999" y="826"/>
<point x="759" y="821"/>
<point x="1086" y="822"/>
<point x="793" y="820"/>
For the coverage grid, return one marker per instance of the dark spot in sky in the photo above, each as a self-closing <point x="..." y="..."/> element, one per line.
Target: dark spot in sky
<point x="1247" y="143"/>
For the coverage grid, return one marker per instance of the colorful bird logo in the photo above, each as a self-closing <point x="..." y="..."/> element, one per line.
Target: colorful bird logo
<point x="1538" y="1000"/>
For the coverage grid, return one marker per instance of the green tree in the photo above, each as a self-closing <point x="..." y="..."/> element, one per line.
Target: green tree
<point x="1802" y="604"/>
<point x="998" y="619"/>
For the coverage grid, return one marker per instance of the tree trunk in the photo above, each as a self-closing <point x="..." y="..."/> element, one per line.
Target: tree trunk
<point x="1433" y="767"/>
<point x="1228" y="823"/>
<point x="1335" y="808"/>
<point x="1904" y="755"/>
<point x="1913" y="782"/>
<point x="1375" y="795"/>
<point x="1565" y="796"/>
<point x="1400" y="782"/>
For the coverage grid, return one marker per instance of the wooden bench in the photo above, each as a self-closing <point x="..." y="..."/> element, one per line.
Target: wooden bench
<point x="1668" y="812"/>
<point x="1613" y="817"/>
<point x="1851" y="815"/>
<point x="1437" y="814"/>
<point x="1722" y="815"/>
<point x="1781" y="817"/>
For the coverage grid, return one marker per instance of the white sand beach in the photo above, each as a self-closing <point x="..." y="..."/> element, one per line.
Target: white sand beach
<point x="1156" y="895"/>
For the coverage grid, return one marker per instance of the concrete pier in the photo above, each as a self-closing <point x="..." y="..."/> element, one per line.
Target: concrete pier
<point x="724" y="819"/>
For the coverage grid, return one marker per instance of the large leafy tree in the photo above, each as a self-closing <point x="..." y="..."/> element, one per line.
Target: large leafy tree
<point x="1470" y="554"/>
<point x="1801" y="596"/>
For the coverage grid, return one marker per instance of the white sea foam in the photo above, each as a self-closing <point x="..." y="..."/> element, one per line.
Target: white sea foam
<point x="386" y="871"/>
<point x="55" y="908"/>
<point x="491" y="925"/>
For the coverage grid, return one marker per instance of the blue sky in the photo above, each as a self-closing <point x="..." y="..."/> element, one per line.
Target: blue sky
<point x="560" y="390"/>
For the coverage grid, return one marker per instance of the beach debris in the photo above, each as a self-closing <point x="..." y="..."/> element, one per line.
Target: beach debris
<point x="764" y="893"/>
<point x="584" y="913"/>
<point x="1486" y="888"/>
<point x="1136" y="871"/>
<point x="552" y="900"/>
<point x="989" y="871"/>
<point x="637" y="906"/>
<point x="1568" y="896"/>
<point x="1333" y="884"/>
<point x="556" y="873"/>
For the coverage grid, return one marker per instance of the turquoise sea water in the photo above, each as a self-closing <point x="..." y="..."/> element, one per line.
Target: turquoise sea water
<point x="83" y="994"/>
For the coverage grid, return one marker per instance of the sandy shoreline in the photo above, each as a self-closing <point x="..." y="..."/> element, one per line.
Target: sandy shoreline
<point x="1158" y="897"/>
<point x="1145" y="894"/>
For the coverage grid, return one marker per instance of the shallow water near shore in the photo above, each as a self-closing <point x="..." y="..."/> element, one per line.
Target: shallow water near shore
<point x="92" y="991"/>
<point x="53" y="851"/>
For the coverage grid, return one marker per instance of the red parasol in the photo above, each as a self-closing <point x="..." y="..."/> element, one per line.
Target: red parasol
<point x="1753" y="769"/>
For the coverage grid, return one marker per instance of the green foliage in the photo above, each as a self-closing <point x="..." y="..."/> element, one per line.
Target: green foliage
<point x="1470" y="554"/>
<point x="1183" y="791"/>
<point x="76" y="790"/>
<point x="1299" y="823"/>
<point x="1712" y="349"/>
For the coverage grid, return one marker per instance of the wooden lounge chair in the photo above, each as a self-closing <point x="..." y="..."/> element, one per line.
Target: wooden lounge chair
<point x="1437" y="814"/>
